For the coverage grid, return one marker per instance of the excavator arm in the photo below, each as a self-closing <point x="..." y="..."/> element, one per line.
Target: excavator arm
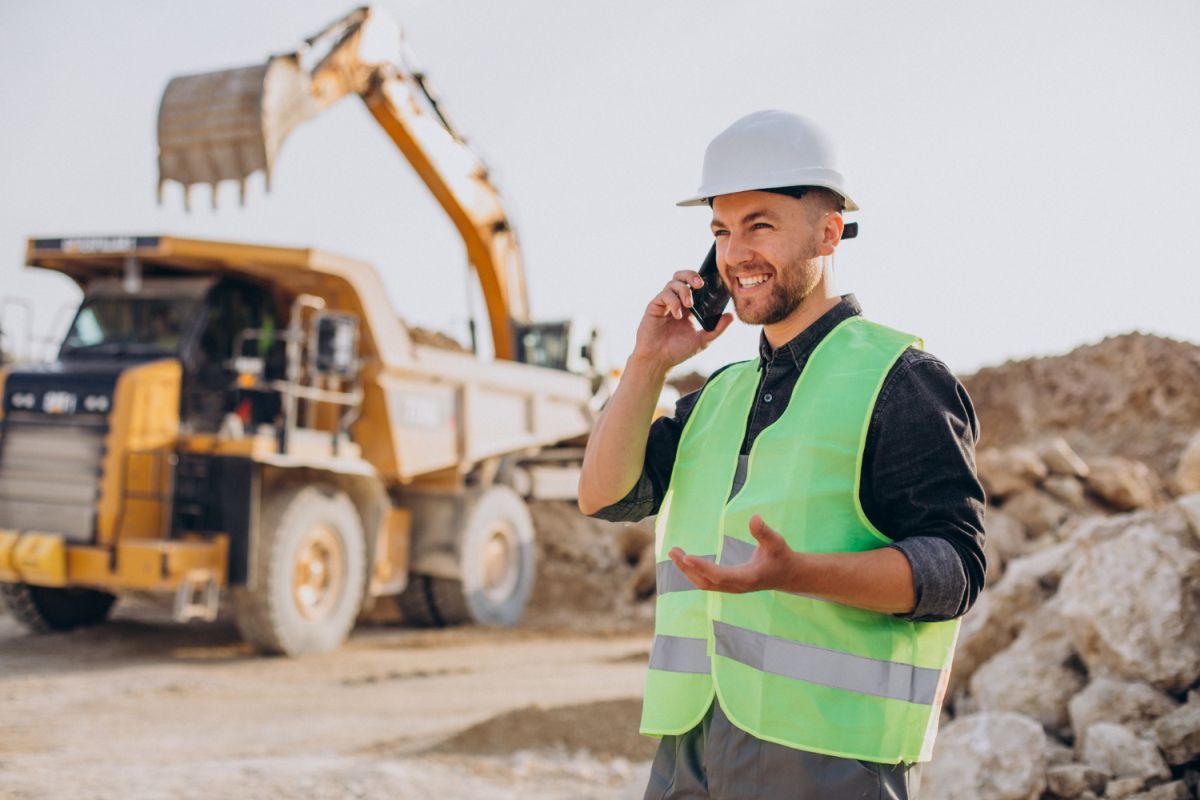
<point x="227" y="125"/>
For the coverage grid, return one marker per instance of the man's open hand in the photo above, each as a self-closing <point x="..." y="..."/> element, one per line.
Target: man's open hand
<point x="772" y="566"/>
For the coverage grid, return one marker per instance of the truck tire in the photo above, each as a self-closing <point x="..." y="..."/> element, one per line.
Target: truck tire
<point x="416" y="603"/>
<point x="42" y="609"/>
<point x="309" y="572"/>
<point x="497" y="563"/>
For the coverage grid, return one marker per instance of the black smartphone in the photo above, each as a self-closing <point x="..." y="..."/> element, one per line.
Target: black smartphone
<point x="710" y="300"/>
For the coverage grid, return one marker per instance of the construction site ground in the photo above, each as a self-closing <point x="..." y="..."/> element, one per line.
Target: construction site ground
<point x="144" y="708"/>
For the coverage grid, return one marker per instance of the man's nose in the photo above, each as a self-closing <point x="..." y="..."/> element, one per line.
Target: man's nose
<point x="737" y="250"/>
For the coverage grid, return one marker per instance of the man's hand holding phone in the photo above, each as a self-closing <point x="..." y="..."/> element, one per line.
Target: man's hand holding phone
<point x="666" y="333"/>
<point x="666" y="337"/>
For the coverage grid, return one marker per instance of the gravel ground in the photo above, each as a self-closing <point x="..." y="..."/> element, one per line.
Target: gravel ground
<point x="143" y="708"/>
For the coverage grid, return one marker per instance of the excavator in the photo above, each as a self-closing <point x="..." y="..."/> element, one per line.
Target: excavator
<point x="252" y="424"/>
<point x="230" y="124"/>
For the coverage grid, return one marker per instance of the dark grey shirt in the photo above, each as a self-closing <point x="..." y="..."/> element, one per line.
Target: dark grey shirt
<point x="918" y="485"/>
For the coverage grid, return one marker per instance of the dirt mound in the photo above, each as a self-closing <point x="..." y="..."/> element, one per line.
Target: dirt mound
<point x="432" y="338"/>
<point x="587" y="571"/>
<point x="607" y="729"/>
<point x="1134" y="395"/>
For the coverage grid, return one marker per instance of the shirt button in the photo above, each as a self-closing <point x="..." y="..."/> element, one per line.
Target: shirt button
<point x="767" y="397"/>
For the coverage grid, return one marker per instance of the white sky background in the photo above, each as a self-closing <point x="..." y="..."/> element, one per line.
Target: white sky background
<point x="1029" y="171"/>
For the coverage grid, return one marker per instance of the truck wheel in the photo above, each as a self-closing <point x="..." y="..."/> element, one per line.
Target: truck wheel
<point x="310" y="570"/>
<point x="42" y="609"/>
<point x="496" y="554"/>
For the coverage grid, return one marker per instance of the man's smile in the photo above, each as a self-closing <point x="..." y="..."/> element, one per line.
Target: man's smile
<point x="751" y="283"/>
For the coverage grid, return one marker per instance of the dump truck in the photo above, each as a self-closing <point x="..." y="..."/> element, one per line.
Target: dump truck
<point x="255" y="424"/>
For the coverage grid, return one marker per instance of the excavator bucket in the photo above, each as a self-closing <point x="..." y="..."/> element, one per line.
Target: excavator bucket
<point x="229" y="124"/>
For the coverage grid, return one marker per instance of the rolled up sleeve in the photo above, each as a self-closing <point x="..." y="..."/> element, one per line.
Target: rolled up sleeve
<point x="919" y="484"/>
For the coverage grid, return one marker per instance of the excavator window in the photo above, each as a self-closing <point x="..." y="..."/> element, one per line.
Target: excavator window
<point x="544" y="344"/>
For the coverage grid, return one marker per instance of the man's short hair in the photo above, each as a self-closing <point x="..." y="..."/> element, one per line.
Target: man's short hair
<point x="824" y="199"/>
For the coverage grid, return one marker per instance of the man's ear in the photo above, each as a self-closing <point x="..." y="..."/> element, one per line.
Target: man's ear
<point x="832" y="226"/>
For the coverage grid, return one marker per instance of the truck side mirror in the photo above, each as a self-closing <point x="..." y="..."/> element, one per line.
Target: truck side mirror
<point x="337" y="344"/>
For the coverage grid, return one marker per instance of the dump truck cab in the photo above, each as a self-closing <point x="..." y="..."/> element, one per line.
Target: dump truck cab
<point x="193" y="320"/>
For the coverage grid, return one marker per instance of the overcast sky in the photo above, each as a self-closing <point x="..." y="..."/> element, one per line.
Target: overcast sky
<point x="1028" y="171"/>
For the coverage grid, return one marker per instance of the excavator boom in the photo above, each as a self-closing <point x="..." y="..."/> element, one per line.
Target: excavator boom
<point x="230" y="124"/>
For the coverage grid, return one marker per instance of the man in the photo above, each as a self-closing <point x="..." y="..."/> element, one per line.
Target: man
<point x="819" y="524"/>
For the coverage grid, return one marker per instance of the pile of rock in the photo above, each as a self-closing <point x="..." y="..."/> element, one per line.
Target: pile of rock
<point x="1035" y="493"/>
<point x="1077" y="673"/>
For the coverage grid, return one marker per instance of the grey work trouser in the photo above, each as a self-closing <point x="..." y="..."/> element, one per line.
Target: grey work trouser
<point x="718" y="760"/>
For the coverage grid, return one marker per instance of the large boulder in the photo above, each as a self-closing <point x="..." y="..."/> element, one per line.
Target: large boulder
<point x="1036" y="675"/>
<point x="1005" y="533"/>
<point x="1178" y="732"/>
<point x="1132" y="603"/>
<point x="1134" y="705"/>
<point x="1179" y="520"/>
<point x="1007" y="471"/>
<point x="1060" y="459"/>
<point x="1058" y="753"/>
<point x="1037" y="511"/>
<point x="987" y="756"/>
<point x="1005" y="538"/>
<point x="1123" y="484"/>
<point x="1118" y="751"/>
<point x="1122" y="788"/>
<point x="1002" y="610"/>
<point x="1072" y="780"/>
<point x="1067" y="490"/>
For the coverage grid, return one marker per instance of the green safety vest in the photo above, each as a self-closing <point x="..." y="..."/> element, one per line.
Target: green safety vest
<point x="791" y="669"/>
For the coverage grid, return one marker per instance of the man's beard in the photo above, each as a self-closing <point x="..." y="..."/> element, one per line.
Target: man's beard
<point x="790" y="287"/>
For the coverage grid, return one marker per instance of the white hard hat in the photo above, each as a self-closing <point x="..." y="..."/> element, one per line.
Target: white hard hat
<point x="768" y="150"/>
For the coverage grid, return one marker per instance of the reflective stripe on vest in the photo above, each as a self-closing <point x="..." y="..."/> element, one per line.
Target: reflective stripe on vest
<point x="826" y="667"/>
<point x="680" y="654"/>
<point x="788" y="668"/>
<point x="668" y="577"/>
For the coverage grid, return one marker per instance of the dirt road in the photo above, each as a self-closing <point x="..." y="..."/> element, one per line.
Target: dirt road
<point x="143" y="708"/>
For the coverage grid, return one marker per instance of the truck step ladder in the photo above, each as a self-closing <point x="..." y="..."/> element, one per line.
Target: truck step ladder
<point x="198" y="596"/>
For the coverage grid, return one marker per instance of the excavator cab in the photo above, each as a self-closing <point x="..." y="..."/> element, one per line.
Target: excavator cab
<point x="569" y="345"/>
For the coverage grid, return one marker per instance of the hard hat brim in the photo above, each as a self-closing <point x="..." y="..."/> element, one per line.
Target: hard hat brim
<point x="705" y="192"/>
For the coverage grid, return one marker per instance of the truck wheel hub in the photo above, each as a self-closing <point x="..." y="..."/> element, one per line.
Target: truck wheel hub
<point x="501" y="565"/>
<point x="319" y="572"/>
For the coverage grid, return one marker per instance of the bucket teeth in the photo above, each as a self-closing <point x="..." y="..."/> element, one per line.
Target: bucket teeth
<point x="227" y="125"/>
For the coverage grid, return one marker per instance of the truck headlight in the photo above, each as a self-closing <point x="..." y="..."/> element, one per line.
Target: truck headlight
<point x="96" y="402"/>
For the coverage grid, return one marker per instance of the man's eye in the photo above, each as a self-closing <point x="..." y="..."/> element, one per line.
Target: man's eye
<point x="721" y="233"/>
<point x="758" y="225"/>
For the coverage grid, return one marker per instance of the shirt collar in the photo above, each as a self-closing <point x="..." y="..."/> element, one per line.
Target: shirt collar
<point x="801" y="347"/>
